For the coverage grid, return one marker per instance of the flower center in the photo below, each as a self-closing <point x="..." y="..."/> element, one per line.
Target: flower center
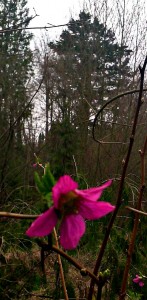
<point x="68" y="203"/>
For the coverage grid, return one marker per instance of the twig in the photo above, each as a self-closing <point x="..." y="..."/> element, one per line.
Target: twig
<point x="14" y="28"/>
<point x="119" y="197"/>
<point x="38" y="295"/>
<point x="104" y="106"/>
<point x="6" y="214"/>
<point x="32" y="28"/>
<point x="35" y="27"/>
<point x="137" y="211"/>
<point x="61" y="267"/>
<point x="21" y="114"/>
<point x="84" y="271"/>
<point x="75" y="263"/>
<point x="75" y="165"/>
<point x="136" y="222"/>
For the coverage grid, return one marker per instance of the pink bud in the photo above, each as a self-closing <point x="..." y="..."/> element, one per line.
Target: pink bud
<point x="34" y="165"/>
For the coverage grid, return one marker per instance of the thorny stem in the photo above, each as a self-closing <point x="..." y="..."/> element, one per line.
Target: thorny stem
<point x="60" y="266"/>
<point x="6" y="214"/>
<point x="100" y="287"/>
<point x="136" y="222"/>
<point x="56" y="249"/>
<point x="60" y="263"/>
<point x="119" y="197"/>
<point x="99" y="294"/>
<point x="74" y="262"/>
<point x="104" y="106"/>
<point x="137" y="211"/>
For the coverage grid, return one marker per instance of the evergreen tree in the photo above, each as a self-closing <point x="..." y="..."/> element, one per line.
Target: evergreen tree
<point x="15" y="60"/>
<point x="95" y="67"/>
<point x="15" y="70"/>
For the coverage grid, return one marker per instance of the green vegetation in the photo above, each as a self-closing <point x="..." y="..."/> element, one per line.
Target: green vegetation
<point x="79" y="72"/>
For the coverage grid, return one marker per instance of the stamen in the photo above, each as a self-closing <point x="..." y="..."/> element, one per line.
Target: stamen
<point x="68" y="203"/>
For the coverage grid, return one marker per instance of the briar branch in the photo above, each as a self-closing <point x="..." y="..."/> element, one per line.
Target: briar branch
<point x="84" y="271"/>
<point x="6" y="214"/>
<point x="46" y="247"/>
<point x="60" y="266"/>
<point x="137" y="211"/>
<point x="120" y="191"/>
<point x="104" y="106"/>
<point x="135" y="227"/>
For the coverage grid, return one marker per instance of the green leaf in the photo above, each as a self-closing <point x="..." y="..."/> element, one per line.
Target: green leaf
<point x="45" y="184"/>
<point x="48" y="198"/>
<point x="39" y="183"/>
<point x="48" y="179"/>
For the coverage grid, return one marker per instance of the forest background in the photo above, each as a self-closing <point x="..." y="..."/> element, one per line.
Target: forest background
<point x="49" y="97"/>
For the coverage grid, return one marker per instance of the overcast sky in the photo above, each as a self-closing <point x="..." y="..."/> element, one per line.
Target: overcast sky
<point x="54" y="12"/>
<point x="58" y="12"/>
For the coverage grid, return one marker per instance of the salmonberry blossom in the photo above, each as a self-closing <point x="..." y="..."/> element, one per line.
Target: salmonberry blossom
<point x="37" y="164"/>
<point x="71" y="207"/>
<point x="34" y="165"/>
<point x="138" y="280"/>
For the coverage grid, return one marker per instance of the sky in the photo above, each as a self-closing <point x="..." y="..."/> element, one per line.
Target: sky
<point x="54" y="12"/>
<point x="59" y="12"/>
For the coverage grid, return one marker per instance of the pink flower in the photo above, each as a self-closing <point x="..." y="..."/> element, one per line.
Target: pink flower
<point x="37" y="164"/>
<point x="34" y="165"/>
<point x="138" y="280"/>
<point x="71" y="207"/>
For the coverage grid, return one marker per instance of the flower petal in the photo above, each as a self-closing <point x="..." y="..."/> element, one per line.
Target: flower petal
<point x="64" y="185"/>
<point x="136" y="279"/>
<point x="71" y="230"/>
<point x="44" y="224"/>
<point x="94" y="210"/>
<point x="141" y="283"/>
<point x="93" y="194"/>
